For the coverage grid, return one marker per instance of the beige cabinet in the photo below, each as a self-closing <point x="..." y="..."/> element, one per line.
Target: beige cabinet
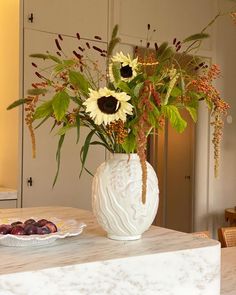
<point x="6" y="204"/>
<point x="49" y="19"/>
<point x="87" y="17"/>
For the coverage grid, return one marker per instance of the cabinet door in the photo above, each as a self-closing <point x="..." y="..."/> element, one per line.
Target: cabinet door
<point x="88" y="17"/>
<point x="8" y="204"/>
<point x="69" y="189"/>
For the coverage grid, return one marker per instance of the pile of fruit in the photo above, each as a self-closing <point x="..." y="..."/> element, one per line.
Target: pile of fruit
<point x="29" y="227"/>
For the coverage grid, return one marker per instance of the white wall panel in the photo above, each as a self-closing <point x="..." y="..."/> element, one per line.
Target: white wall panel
<point x="89" y="18"/>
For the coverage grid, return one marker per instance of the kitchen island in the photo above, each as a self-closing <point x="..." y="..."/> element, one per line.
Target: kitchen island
<point x="163" y="262"/>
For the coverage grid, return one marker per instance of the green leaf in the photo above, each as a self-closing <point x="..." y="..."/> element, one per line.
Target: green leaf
<point x="130" y="143"/>
<point x="193" y="113"/>
<point x="58" y="157"/>
<point x="155" y="110"/>
<point x="78" y="127"/>
<point x="64" y="65"/>
<point x="69" y="62"/>
<point x="85" y="148"/>
<point x="167" y="54"/>
<point x="182" y="84"/>
<point x="161" y="49"/>
<point x="172" y="113"/>
<point x="114" y="32"/>
<point x="137" y="89"/>
<point x="195" y="95"/>
<point x="116" y="72"/>
<point x="59" y="68"/>
<point x="60" y="104"/>
<point x="209" y="104"/>
<point x="46" y="56"/>
<point x="79" y="81"/>
<point x="18" y="103"/>
<point x="64" y="129"/>
<point x="98" y="143"/>
<point x="112" y="45"/>
<point x="175" y="92"/>
<point x="77" y="100"/>
<point x="44" y="110"/>
<point x="37" y="91"/>
<point x="41" y="123"/>
<point x="196" y="37"/>
<point x="152" y="119"/>
<point x="124" y="87"/>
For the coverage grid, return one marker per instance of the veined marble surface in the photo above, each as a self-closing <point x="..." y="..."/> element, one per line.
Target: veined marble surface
<point x="163" y="262"/>
<point x="228" y="271"/>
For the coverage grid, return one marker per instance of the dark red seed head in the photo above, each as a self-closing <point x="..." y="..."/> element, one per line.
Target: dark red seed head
<point x="178" y="48"/>
<point x="97" y="49"/>
<point x="148" y="44"/>
<point x="178" y="43"/>
<point x="156" y="46"/>
<point x="38" y="75"/>
<point x="174" y="41"/>
<point x="78" y="36"/>
<point x="58" y="53"/>
<point x="97" y="37"/>
<point x="81" y="49"/>
<point x="58" y="45"/>
<point x="79" y="56"/>
<point x="60" y="37"/>
<point x="88" y="45"/>
<point x="34" y="65"/>
<point x="148" y="26"/>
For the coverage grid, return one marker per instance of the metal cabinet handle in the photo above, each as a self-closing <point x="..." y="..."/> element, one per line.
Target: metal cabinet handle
<point x="31" y="18"/>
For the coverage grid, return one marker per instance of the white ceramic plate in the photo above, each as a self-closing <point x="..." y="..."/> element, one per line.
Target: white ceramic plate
<point x="66" y="228"/>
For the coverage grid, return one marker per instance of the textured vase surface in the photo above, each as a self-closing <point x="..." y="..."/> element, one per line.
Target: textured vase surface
<point x="117" y="197"/>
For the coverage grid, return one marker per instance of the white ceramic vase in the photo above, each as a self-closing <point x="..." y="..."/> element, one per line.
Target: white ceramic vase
<point x="117" y="197"/>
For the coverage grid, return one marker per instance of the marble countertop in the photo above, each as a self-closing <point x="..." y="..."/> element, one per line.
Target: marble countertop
<point x="228" y="271"/>
<point x="163" y="262"/>
<point x="7" y="194"/>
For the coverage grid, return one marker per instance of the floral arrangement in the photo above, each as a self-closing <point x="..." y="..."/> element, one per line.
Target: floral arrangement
<point x="138" y="95"/>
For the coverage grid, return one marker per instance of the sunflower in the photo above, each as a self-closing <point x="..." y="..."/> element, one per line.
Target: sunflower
<point x="106" y="106"/>
<point x="128" y="67"/>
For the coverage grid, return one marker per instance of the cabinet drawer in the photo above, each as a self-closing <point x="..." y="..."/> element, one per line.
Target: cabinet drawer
<point x="8" y="204"/>
<point x="88" y="17"/>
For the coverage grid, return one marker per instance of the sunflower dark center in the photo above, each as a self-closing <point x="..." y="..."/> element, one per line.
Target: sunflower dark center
<point x="126" y="71"/>
<point x="108" y="104"/>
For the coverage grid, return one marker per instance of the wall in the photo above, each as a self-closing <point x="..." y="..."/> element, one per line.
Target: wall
<point x="9" y="85"/>
<point x="222" y="190"/>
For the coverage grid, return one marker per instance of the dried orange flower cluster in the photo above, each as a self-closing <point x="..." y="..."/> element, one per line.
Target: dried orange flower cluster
<point x="71" y="117"/>
<point x="118" y="130"/>
<point x="233" y="15"/>
<point x="220" y="107"/>
<point x="30" y="107"/>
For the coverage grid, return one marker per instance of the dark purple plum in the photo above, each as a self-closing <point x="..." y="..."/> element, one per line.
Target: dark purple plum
<point x="39" y="230"/>
<point x="51" y="226"/>
<point x="31" y="229"/>
<point x="17" y="230"/>
<point x="9" y="227"/>
<point x="45" y="230"/>
<point x="17" y="223"/>
<point x="29" y="221"/>
<point x="42" y="222"/>
<point x="3" y="230"/>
